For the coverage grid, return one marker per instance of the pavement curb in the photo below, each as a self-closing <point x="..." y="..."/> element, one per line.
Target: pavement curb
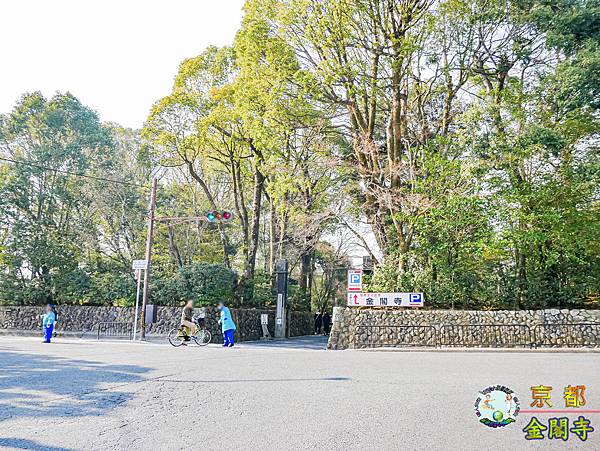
<point x="487" y="350"/>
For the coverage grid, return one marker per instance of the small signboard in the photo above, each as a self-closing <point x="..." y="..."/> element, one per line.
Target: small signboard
<point x="150" y="316"/>
<point x="140" y="264"/>
<point x="385" y="299"/>
<point x="264" y="318"/>
<point x="355" y="280"/>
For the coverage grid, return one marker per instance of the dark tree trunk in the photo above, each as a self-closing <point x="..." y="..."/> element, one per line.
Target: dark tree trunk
<point x="246" y="289"/>
<point x="173" y="249"/>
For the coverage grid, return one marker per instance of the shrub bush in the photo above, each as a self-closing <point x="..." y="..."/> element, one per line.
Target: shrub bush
<point x="205" y="283"/>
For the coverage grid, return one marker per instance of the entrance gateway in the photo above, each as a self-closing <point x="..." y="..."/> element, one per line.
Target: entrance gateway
<point x="356" y="297"/>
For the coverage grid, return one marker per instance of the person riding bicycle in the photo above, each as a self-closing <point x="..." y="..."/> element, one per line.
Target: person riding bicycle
<point x="191" y="328"/>
<point x="187" y="318"/>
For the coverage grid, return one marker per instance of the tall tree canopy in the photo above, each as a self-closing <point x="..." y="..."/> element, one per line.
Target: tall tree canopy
<point x="462" y="134"/>
<point x="51" y="221"/>
<point x="473" y="127"/>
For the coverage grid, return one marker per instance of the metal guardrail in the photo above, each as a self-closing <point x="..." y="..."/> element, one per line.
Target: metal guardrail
<point x="401" y="335"/>
<point x="486" y="335"/>
<point x="115" y="329"/>
<point x="567" y="334"/>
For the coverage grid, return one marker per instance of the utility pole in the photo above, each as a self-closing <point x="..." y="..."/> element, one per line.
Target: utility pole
<point x="151" y="211"/>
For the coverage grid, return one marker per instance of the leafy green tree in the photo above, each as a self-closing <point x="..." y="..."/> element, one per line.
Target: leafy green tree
<point x="465" y="121"/>
<point x="207" y="284"/>
<point x="73" y="212"/>
<point x="46" y="213"/>
<point x="463" y="132"/>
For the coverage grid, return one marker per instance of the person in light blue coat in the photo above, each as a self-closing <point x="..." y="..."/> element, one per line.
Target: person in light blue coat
<point x="227" y="325"/>
<point x="48" y="320"/>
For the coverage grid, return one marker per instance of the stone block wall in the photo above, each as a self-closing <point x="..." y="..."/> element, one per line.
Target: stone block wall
<point x="70" y="318"/>
<point x="363" y="328"/>
<point x="82" y="320"/>
<point x="302" y="323"/>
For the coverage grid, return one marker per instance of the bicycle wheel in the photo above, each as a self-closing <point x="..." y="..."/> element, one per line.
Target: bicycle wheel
<point x="203" y="337"/>
<point x="175" y="337"/>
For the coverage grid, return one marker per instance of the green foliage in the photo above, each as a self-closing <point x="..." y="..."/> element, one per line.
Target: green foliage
<point x="206" y="284"/>
<point x="263" y="289"/>
<point x="67" y="239"/>
<point x="467" y="138"/>
<point x="475" y="194"/>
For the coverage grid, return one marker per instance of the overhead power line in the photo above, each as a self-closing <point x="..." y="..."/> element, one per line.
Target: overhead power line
<point x="77" y="174"/>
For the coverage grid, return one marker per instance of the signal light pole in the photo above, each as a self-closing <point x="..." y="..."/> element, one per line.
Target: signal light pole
<point x="212" y="216"/>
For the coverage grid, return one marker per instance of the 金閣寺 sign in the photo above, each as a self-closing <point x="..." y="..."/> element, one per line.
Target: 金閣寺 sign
<point x="385" y="299"/>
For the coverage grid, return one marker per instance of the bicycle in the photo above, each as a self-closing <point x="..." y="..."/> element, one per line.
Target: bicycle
<point x="180" y="336"/>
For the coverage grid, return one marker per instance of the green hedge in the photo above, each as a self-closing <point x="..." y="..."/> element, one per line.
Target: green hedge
<point x="205" y="283"/>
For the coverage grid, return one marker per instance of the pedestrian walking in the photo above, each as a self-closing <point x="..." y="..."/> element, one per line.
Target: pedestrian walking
<point x="326" y="323"/>
<point x="318" y="322"/>
<point x="48" y="320"/>
<point x="227" y="325"/>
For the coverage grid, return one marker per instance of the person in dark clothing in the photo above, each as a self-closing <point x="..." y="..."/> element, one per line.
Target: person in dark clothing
<point x="318" y="322"/>
<point x="326" y="323"/>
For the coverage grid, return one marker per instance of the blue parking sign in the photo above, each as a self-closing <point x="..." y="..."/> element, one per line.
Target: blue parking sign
<point x="354" y="280"/>
<point x="415" y="298"/>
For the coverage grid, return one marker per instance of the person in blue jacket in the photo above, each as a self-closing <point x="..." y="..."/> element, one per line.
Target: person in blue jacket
<point x="227" y="325"/>
<point x="48" y="320"/>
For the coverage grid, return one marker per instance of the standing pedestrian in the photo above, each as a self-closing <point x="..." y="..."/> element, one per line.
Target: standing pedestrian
<point x="227" y="325"/>
<point x="318" y="322"/>
<point x="326" y="323"/>
<point x="48" y="320"/>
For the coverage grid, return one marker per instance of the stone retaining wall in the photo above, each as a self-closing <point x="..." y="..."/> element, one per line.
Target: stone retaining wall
<point x="363" y="328"/>
<point x="83" y="320"/>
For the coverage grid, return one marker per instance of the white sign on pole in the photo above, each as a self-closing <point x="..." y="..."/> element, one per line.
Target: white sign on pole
<point x="279" y="311"/>
<point x="264" y="318"/>
<point x="385" y="299"/>
<point x="355" y="280"/>
<point x="140" y="264"/>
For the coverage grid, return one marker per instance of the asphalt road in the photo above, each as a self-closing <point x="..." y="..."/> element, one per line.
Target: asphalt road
<point x="87" y="395"/>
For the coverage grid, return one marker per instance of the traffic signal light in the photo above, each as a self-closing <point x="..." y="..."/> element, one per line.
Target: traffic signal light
<point x="219" y="216"/>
